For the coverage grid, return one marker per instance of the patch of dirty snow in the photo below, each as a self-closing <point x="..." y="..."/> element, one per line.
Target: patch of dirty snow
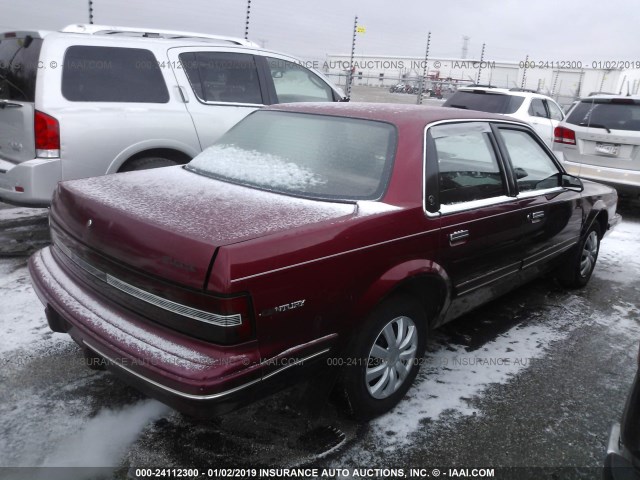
<point x="7" y="214"/>
<point x="451" y="376"/>
<point x="22" y="320"/>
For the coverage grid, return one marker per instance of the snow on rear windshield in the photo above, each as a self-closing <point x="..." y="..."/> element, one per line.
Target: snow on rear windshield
<point x="308" y="155"/>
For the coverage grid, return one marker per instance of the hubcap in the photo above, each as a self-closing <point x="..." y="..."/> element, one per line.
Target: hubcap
<point x="589" y="254"/>
<point x="391" y="358"/>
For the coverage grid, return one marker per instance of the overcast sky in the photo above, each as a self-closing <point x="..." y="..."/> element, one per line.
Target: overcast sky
<point x="553" y="30"/>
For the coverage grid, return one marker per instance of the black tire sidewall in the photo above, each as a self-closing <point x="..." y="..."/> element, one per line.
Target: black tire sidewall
<point x="570" y="275"/>
<point x="363" y="405"/>
<point x="146" y="163"/>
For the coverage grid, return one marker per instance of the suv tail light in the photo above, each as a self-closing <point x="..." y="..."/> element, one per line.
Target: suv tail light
<point x="47" y="136"/>
<point x="564" y="135"/>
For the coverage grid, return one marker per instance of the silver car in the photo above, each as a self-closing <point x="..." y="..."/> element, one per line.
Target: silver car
<point x="91" y="100"/>
<point x="600" y="140"/>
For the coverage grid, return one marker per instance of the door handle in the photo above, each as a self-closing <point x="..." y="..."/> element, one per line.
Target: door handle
<point x="458" y="237"/>
<point x="535" y="217"/>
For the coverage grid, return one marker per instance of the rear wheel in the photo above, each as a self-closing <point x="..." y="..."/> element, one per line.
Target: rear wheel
<point x="146" y="163"/>
<point x="576" y="272"/>
<point x="385" y="357"/>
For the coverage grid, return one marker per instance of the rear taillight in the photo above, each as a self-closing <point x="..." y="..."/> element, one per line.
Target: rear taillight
<point x="564" y="135"/>
<point x="47" y="136"/>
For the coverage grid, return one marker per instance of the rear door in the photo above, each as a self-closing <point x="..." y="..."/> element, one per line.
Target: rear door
<point x="607" y="133"/>
<point x="219" y="88"/>
<point x="540" y="120"/>
<point x="480" y="218"/>
<point x="19" y="57"/>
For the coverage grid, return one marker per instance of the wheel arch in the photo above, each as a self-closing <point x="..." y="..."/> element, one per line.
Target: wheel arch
<point x="177" y="151"/>
<point x="599" y="214"/>
<point x="422" y="279"/>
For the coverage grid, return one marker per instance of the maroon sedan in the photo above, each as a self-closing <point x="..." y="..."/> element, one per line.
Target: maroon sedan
<point x="311" y="235"/>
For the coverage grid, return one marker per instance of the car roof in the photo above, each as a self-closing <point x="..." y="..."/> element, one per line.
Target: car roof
<point x="505" y="91"/>
<point x="610" y="96"/>
<point x="389" y="112"/>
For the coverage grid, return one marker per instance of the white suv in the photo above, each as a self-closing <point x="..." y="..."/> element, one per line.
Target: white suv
<point x="540" y="111"/>
<point x="91" y="100"/>
<point x="600" y="140"/>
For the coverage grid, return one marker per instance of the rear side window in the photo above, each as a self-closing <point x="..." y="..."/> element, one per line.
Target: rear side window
<point x="112" y="74"/>
<point x="537" y="109"/>
<point x="485" y="102"/>
<point x="616" y="114"/>
<point x="295" y="83"/>
<point x="468" y="169"/>
<point x="19" y="67"/>
<point x="554" y="111"/>
<point x="223" y="77"/>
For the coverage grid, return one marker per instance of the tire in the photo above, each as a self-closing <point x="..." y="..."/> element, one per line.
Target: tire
<point x="146" y="163"/>
<point x="577" y="270"/>
<point x="372" y="384"/>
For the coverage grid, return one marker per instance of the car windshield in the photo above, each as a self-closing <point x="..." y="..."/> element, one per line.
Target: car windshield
<point x="485" y="102"/>
<point x="306" y="155"/>
<point x="615" y="114"/>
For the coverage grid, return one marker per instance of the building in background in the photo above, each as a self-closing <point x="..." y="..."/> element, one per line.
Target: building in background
<point x="563" y="84"/>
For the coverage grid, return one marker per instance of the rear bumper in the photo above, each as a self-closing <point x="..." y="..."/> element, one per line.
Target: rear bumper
<point x="193" y="376"/>
<point x="624" y="181"/>
<point x="38" y="179"/>
<point x="190" y="375"/>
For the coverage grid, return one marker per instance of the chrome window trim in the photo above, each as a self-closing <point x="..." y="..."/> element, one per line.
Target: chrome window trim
<point x="474" y="204"/>
<point x="192" y="396"/>
<point x="463" y="206"/>
<point x="174" y="307"/>
<point x="535" y="193"/>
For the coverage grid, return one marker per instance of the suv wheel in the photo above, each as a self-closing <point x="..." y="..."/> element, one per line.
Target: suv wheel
<point x="385" y="357"/>
<point x="146" y="163"/>
<point x="576" y="272"/>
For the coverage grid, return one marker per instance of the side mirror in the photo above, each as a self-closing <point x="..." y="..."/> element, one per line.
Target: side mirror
<point x="572" y="183"/>
<point x="520" y="173"/>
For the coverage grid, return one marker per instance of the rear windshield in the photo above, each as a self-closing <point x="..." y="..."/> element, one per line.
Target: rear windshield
<point x="485" y="102"/>
<point x="313" y="156"/>
<point x="18" y="68"/>
<point x="112" y="74"/>
<point x="615" y="114"/>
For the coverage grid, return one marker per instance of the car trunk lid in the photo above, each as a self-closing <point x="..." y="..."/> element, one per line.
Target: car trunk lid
<point x="169" y="222"/>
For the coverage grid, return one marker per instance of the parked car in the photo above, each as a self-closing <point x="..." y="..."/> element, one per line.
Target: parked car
<point x="600" y="140"/>
<point x="94" y="99"/>
<point x="623" y="453"/>
<point x="542" y="112"/>
<point x="311" y="234"/>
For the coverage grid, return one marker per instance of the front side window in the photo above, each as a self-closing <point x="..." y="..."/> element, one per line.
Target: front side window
<point x="536" y="109"/>
<point x="533" y="168"/>
<point x="295" y="83"/>
<point x="112" y="74"/>
<point x="468" y="168"/>
<point x="223" y="77"/>
<point x="313" y="156"/>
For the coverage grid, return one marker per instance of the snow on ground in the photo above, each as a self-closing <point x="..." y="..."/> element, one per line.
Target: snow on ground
<point x="37" y="419"/>
<point x="453" y="376"/>
<point x="22" y="321"/>
<point x="22" y="212"/>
